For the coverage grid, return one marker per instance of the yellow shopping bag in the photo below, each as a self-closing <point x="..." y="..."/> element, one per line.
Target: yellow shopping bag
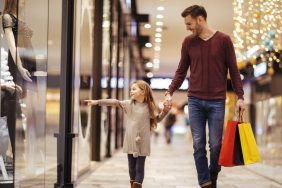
<point x="248" y="144"/>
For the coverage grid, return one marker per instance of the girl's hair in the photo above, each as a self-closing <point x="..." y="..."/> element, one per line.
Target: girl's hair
<point x="10" y="6"/>
<point x="148" y="98"/>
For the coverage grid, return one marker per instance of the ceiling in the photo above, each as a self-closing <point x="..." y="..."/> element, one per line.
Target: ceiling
<point x="220" y="17"/>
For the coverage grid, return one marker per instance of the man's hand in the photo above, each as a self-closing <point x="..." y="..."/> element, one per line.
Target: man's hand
<point x="240" y="105"/>
<point x="91" y="102"/>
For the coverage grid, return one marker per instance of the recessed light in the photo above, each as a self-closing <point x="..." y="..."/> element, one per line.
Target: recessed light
<point x="160" y="16"/>
<point x="158" y="29"/>
<point x="147" y="26"/>
<point x="158" y="40"/>
<point x="159" y="23"/>
<point x="158" y="35"/>
<point x="160" y="8"/>
<point x="157" y="48"/>
<point x="150" y="75"/>
<point x="149" y="64"/>
<point x="148" y="45"/>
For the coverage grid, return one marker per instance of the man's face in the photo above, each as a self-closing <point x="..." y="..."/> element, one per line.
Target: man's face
<point x="193" y="25"/>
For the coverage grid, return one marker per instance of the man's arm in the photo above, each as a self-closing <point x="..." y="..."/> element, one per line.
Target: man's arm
<point x="234" y="74"/>
<point x="181" y="71"/>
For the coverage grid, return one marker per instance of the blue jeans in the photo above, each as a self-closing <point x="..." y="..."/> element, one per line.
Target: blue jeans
<point x="200" y="112"/>
<point x="136" y="168"/>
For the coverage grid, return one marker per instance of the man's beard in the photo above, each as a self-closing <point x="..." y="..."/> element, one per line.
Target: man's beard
<point x="198" y="31"/>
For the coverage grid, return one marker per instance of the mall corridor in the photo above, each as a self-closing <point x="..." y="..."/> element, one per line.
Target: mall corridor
<point x="169" y="166"/>
<point x="76" y="78"/>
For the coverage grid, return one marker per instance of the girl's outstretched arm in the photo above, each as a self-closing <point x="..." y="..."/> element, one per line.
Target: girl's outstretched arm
<point x="103" y="102"/>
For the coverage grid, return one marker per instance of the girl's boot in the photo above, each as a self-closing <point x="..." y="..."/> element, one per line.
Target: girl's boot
<point x="137" y="185"/>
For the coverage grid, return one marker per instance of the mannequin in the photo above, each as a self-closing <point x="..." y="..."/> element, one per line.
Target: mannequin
<point x="28" y="74"/>
<point x="22" y="65"/>
<point x="10" y="27"/>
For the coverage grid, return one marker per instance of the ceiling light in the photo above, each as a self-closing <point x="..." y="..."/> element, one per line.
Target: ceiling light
<point x="149" y="64"/>
<point x="158" y="35"/>
<point x="159" y="23"/>
<point x="147" y="26"/>
<point x="158" y="29"/>
<point x="158" y="40"/>
<point x="150" y="75"/>
<point x="160" y="8"/>
<point x="160" y="16"/>
<point x="148" y="45"/>
<point x="157" y="48"/>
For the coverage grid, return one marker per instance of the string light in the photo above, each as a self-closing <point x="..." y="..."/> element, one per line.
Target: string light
<point x="257" y="22"/>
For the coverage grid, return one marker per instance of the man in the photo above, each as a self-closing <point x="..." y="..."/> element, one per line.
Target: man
<point x="209" y="54"/>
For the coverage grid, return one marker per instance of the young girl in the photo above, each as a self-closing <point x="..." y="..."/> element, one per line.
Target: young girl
<point x="141" y="115"/>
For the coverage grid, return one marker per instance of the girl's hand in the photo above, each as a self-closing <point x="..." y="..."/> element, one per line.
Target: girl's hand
<point x="91" y="102"/>
<point x="167" y="107"/>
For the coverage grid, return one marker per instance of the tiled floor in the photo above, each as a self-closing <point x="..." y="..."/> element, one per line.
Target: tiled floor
<point x="169" y="166"/>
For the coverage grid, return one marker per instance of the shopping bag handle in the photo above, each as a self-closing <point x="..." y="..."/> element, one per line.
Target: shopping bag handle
<point x="240" y="116"/>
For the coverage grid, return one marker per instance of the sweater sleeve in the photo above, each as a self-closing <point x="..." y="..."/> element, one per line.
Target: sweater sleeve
<point x="233" y="69"/>
<point x="182" y="69"/>
<point x="108" y="102"/>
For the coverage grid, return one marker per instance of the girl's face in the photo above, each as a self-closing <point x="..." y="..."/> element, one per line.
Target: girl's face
<point x="136" y="93"/>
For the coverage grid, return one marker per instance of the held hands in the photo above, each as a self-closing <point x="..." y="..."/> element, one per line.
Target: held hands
<point x="91" y="102"/>
<point x="168" y="100"/>
<point x="25" y="74"/>
<point x="167" y="106"/>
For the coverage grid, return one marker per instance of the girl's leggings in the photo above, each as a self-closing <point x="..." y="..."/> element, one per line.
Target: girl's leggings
<point x="136" y="168"/>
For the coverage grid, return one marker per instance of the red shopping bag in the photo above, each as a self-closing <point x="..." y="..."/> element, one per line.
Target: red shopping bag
<point x="226" y="157"/>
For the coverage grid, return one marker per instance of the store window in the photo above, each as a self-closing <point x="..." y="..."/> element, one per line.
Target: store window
<point x="24" y="46"/>
<point x="30" y="67"/>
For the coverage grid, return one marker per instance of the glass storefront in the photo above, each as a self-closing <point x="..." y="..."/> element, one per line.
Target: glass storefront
<point x="82" y="82"/>
<point x="24" y="63"/>
<point x="31" y="50"/>
<point x="30" y="101"/>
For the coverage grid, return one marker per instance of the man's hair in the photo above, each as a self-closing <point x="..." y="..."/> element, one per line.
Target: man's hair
<point x="195" y="11"/>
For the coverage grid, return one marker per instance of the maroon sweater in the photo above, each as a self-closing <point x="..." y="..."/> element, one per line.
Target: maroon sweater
<point x="209" y="62"/>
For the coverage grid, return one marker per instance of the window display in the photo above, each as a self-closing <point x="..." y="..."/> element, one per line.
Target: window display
<point x="23" y="90"/>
